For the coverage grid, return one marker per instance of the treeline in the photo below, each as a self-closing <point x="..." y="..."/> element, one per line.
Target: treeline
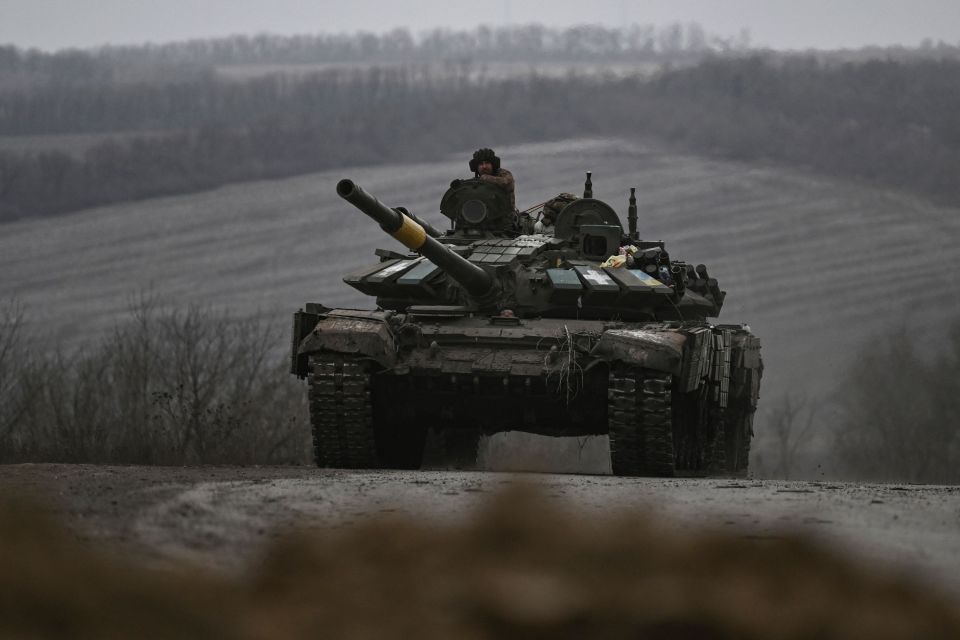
<point x="26" y="70"/>
<point x="522" y="43"/>
<point x="531" y="43"/>
<point x="333" y="119"/>
<point x="192" y="104"/>
<point x="287" y="127"/>
<point x="892" y="123"/>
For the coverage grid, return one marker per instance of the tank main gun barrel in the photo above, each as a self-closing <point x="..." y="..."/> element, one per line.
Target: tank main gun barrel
<point x="432" y="231"/>
<point x="475" y="280"/>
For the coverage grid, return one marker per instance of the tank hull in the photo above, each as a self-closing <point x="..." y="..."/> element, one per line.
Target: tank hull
<point x="674" y="398"/>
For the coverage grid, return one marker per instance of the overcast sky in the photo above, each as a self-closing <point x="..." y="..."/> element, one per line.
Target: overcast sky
<point x="783" y="24"/>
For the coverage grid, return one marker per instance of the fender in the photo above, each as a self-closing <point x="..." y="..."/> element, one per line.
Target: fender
<point x="355" y="333"/>
<point x="650" y="349"/>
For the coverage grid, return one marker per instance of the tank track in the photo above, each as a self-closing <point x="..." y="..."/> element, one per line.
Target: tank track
<point x="341" y="412"/>
<point x="698" y="430"/>
<point x="739" y="433"/>
<point x="716" y="454"/>
<point x="640" y="424"/>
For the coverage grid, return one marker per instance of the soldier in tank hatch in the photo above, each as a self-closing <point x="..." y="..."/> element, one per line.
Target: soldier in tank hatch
<point x="486" y="166"/>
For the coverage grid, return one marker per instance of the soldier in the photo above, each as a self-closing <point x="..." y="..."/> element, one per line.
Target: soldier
<point x="486" y="166"/>
<point x="551" y="208"/>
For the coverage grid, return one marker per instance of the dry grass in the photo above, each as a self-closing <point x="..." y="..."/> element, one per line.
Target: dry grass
<point x="519" y="569"/>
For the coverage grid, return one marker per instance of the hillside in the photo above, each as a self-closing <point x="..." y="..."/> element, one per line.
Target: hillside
<point x="815" y="265"/>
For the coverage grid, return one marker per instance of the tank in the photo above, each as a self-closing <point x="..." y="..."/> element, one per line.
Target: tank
<point x="580" y="329"/>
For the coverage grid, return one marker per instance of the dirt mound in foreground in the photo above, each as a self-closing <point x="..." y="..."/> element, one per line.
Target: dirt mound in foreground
<point x="519" y="570"/>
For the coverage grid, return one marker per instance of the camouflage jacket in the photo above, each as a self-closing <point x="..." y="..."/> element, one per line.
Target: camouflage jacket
<point x="505" y="179"/>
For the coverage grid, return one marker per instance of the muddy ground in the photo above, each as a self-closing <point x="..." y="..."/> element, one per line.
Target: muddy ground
<point x="221" y="516"/>
<point x="300" y="552"/>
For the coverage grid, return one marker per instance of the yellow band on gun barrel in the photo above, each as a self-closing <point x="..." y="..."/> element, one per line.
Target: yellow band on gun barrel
<point x="410" y="234"/>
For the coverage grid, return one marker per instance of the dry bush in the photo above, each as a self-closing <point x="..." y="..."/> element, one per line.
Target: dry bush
<point x="175" y="387"/>
<point x="519" y="569"/>
<point x="898" y="411"/>
<point x="21" y="380"/>
<point x="787" y="436"/>
<point x="12" y="364"/>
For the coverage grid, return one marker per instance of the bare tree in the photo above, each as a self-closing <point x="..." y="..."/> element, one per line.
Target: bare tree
<point x="174" y="387"/>
<point x="21" y="378"/>
<point x="11" y="325"/>
<point x="788" y="432"/>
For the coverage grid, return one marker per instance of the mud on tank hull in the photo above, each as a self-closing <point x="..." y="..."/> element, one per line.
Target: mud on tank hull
<point x="675" y="398"/>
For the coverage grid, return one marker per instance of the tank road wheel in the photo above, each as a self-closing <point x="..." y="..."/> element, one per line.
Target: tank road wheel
<point x="341" y="413"/>
<point x="640" y="423"/>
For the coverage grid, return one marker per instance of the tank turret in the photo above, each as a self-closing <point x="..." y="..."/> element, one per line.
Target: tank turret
<point x="587" y="268"/>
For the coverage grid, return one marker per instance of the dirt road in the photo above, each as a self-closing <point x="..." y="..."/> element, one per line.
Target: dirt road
<point x="221" y="516"/>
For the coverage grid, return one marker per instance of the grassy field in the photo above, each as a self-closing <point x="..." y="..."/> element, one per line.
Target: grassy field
<point x="814" y="265"/>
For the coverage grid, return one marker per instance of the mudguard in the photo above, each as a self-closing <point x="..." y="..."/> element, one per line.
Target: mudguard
<point x="360" y="333"/>
<point x="650" y="349"/>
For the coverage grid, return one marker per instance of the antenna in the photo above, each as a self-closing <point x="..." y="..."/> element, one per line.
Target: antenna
<point x="632" y="214"/>
<point x="588" y="186"/>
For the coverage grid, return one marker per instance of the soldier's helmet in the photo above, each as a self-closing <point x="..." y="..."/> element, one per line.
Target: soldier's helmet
<point x="484" y="155"/>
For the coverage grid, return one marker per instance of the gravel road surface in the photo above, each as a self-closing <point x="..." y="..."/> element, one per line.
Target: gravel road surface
<point x="221" y="516"/>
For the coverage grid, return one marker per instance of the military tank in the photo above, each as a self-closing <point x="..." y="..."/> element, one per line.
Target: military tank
<point x="584" y="329"/>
